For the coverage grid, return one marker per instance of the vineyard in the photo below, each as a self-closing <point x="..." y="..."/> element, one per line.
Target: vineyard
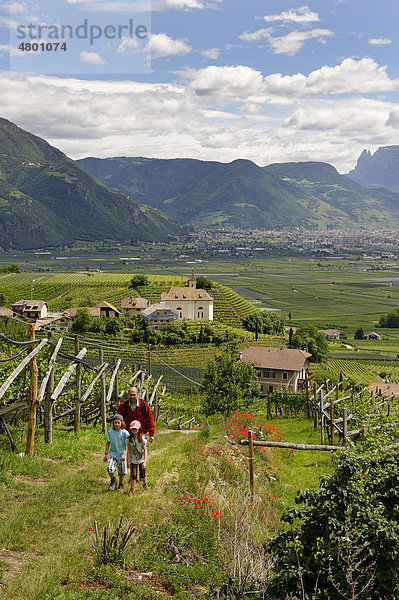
<point x="65" y="290"/>
<point x="364" y="372"/>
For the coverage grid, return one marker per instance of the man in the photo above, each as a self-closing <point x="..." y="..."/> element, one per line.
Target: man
<point x="134" y="409"/>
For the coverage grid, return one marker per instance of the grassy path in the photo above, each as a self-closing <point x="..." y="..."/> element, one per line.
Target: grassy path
<point x="184" y="544"/>
<point x="45" y="521"/>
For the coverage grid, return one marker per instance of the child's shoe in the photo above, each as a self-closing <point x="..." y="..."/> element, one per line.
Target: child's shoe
<point x="121" y="487"/>
<point x="146" y="486"/>
<point x="112" y="485"/>
<point x="131" y="492"/>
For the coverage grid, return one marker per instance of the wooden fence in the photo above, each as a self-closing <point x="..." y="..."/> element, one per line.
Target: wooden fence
<point x="46" y="403"/>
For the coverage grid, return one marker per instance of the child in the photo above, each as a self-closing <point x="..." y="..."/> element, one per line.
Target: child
<point x="117" y="447"/>
<point x="137" y="455"/>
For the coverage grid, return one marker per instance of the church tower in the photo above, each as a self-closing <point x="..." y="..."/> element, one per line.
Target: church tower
<point x="192" y="282"/>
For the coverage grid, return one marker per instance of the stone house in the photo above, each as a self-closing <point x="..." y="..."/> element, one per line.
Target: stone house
<point x="108" y="310"/>
<point x="31" y="309"/>
<point x="279" y="368"/>
<point x="133" y="306"/>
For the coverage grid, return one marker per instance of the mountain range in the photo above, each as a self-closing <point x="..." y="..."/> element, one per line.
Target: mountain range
<point x="380" y="169"/>
<point x="242" y="194"/>
<point x="47" y="199"/>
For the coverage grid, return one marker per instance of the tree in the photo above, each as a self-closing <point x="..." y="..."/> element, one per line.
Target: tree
<point x="138" y="281"/>
<point x="307" y="337"/>
<point x="359" y="334"/>
<point x="229" y="383"/>
<point x="390" y="320"/>
<point x="113" y="326"/>
<point x="3" y="299"/>
<point x="12" y="268"/>
<point x="204" y="284"/>
<point x="83" y="320"/>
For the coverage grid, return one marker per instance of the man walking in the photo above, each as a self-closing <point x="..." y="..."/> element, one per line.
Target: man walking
<point x="134" y="409"/>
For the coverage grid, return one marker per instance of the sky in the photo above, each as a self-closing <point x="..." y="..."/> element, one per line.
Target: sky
<point x="269" y="81"/>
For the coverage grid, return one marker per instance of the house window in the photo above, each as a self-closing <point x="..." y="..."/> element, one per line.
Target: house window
<point x="200" y="312"/>
<point x="285" y="375"/>
<point x="180" y="311"/>
<point x="270" y="388"/>
<point x="270" y="374"/>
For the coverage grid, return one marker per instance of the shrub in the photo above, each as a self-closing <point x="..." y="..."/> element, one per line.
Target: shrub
<point x="344" y="539"/>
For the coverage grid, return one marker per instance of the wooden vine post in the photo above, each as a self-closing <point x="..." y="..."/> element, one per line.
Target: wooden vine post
<point x="78" y="389"/>
<point x="332" y="421"/>
<point x="30" y="440"/>
<point x="103" y="396"/>
<point x="251" y="463"/>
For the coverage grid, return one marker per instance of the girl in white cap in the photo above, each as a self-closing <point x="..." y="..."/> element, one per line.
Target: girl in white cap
<point x="137" y="455"/>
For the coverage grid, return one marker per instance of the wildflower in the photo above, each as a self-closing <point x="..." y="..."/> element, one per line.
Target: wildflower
<point x="90" y="528"/>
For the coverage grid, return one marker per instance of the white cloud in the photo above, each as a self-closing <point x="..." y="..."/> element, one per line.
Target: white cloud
<point x="161" y="45"/>
<point x="351" y="76"/>
<point x="137" y="6"/>
<point x="379" y="41"/>
<point x="301" y="15"/>
<point x="128" y="45"/>
<point x="229" y="83"/>
<point x="291" y="43"/>
<point x="92" y="57"/>
<point x="212" y="53"/>
<point x="255" y="36"/>
<point x="127" y="118"/>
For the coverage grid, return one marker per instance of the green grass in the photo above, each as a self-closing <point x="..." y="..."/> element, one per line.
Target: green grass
<point x="50" y="501"/>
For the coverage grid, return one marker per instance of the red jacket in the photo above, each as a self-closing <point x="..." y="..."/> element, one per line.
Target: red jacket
<point x="147" y="422"/>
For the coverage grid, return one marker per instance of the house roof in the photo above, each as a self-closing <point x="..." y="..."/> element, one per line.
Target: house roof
<point x="94" y="311"/>
<point x="42" y="323"/>
<point x="331" y="332"/>
<point x="105" y="304"/>
<point x="31" y="304"/>
<point x="6" y="312"/>
<point x="146" y="312"/>
<point x="131" y="302"/>
<point x="185" y="293"/>
<point x="276" y="358"/>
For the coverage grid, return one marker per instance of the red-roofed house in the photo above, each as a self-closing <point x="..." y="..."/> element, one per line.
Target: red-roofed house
<point x="279" y="368"/>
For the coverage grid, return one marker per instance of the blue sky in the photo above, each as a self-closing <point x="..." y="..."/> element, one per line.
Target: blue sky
<point x="270" y="81"/>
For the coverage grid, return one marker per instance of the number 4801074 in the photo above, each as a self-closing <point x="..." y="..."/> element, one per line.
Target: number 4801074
<point x="42" y="46"/>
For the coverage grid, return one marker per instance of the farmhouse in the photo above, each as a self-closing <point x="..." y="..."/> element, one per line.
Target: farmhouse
<point x="32" y="309"/>
<point x="190" y="303"/>
<point x="53" y="323"/>
<point x="331" y="334"/>
<point x="132" y="306"/>
<point x="108" y="310"/>
<point x="158" y="315"/>
<point x="279" y="369"/>
<point x="6" y="312"/>
<point x="372" y="336"/>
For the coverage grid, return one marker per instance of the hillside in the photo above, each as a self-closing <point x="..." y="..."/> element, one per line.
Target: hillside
<point x="46" y="199"/>
<point x="241" y="194"/>
<point x="379" y="169"/>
